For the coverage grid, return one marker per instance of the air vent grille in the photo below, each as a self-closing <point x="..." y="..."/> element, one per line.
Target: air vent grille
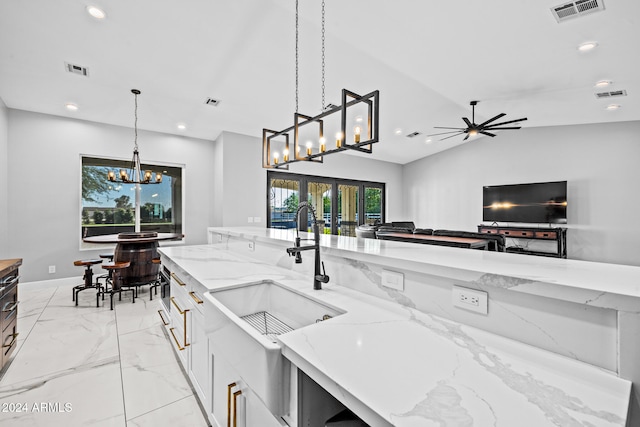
<point x="76" y="69"/>
<point x="575" y="9"/>
<point x="213" y="102"/>
<point x="414" y="134"/>
<point x="610" y="94"/>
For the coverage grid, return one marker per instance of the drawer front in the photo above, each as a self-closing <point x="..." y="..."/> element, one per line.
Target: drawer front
<point x="552" y="235"/>
<point x="9" y="340"/>
<point x="489" y="230"/>
<point x="517" y="233"/>
<point x="9" y="306"/>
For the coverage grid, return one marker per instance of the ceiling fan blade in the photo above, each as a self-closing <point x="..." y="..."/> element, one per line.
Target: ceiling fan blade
<point x="441" y="127"/>
<point x="506" y="123"/>
<point x="507" y="128"/>
<point x="487" y="133"/>
<point x="466" y="137"/>
<point x="447" y="137"/>
<point x="469" y="124"/>
<point x="491" y="120"/>
<point x="443" y="133"/>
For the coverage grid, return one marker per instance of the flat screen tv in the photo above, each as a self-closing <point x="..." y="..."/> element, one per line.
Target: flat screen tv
<point x="542" y="202"/>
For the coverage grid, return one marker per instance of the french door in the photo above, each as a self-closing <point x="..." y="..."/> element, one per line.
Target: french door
<point x="340" y="204"/>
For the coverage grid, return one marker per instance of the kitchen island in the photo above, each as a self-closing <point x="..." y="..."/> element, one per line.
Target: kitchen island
<point x="389" y="360"/>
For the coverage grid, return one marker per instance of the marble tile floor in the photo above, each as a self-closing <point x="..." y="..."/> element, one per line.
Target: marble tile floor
<point x="88" y="366"/>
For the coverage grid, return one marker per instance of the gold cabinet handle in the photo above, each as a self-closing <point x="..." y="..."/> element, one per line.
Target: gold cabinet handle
<point x="181" y="311"/>
<point x="195" y="297"/>
<point x="176" y="339"/>
<point x="235" y="407"/>
<point x="229" y="387"/>
<point x="180" y="282"/>
<point x="13" y="341"/>
<point x="162" y="317"/>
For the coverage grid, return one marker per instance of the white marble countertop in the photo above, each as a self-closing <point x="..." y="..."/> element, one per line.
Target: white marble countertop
<point x="598" y="284"/>
<point x="394" y="365"/>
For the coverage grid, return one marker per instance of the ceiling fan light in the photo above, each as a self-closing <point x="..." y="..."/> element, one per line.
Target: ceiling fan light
<point x="473" y="132"/>
<point x="603" y="83"/>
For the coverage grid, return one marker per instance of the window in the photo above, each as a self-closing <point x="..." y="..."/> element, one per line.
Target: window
<point x="337" y="202"/>
<point x="109" y="208"/>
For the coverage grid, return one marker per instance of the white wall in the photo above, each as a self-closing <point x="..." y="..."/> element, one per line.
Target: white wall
<point x="4" y="185"/>
<point x="44" y="184"/>
<point x="599" y="161"/>
<point x="245" y="181"/>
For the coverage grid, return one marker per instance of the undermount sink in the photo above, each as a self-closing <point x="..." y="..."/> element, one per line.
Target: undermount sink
<point x="243" y="322"/>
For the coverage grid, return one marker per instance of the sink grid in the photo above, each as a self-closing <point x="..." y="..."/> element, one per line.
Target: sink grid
<point x="267" y="324"/>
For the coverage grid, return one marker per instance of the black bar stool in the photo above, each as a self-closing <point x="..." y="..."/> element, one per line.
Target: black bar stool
<point x="106" y="277"/>
<point x="114" y="269"/>
<point x="88" y="277"/>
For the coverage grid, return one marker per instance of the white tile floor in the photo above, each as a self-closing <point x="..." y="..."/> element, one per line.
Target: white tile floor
<point x="79" y="366"/>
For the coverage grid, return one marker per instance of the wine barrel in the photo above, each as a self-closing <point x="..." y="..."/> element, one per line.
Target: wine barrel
<point x="140" y="255"/>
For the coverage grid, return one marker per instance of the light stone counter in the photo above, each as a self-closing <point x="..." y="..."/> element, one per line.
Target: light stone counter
<point x="394" y="365"/>
<point x="597" y="284"/>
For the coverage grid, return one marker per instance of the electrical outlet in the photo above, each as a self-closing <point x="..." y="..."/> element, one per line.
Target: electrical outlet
<point x="250" y="219"/>
<point x="52" y="269"/>
<point x="470" y="299"/>
<point x="393" y="279"/>
<point x="252" y="246"/>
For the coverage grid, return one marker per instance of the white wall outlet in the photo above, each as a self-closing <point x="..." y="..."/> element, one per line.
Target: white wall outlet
<point x="250" y="219"/>
<point x="52" y="269"/>
<point x="252" y="246"/>
<point x="393" y="279"/>
<point x="257" y="219"/>
<point x="470" y="299"/>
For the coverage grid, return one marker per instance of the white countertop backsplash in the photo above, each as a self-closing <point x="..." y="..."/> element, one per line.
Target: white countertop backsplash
<point x="395" y="365"/>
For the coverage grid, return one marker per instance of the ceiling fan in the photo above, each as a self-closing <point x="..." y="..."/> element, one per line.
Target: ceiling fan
<point x="472" y="129"/>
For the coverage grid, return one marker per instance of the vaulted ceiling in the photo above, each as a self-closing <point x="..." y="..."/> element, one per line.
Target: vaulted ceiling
<point x="428" y="59"/>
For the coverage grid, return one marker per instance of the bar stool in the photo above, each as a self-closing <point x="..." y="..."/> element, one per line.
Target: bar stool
<point x="88" y="277"/>
<point x="106" y="277"/>
<point x="156" y="283"/>
<point x="114" y="269"/>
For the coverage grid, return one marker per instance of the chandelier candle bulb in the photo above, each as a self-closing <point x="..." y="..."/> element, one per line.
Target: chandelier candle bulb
<point x="111" y="176"/>
<point x="323" y="147"/>
<point x="147" y="175"/>
<point x="285" y="155"/>
<point x="158" y="177"/>
<point x="309" y="148"/>
<point x="356" y="136"/>
<point x="339" y="139"/>
<point x="275" y="158"/>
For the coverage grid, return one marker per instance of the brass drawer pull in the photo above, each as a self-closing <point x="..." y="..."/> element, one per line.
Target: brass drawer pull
<point x="180" y="282"/>
<point x="195" y="297"/>
<point x="181" y="311"/>
<point x="235" y="407"/>
<point x="13" y="341"/>
<point x="162" y="317"/>
<point x="229" y="387"/>
<point x="176" y="339"/>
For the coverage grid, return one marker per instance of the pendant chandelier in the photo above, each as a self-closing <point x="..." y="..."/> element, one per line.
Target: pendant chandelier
<point x="354" y="123"/>
<point x="135" y="175"/>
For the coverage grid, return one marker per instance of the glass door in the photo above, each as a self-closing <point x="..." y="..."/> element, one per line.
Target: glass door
<point x="319" y="196"/>
<point x="373" y="203"/>
<point x="347" y="209"/>
<point x="284" y="195"/>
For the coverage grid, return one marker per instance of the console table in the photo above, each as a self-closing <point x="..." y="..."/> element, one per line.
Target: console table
<point x="457" y="242"/>
<point x="558" y="234"/>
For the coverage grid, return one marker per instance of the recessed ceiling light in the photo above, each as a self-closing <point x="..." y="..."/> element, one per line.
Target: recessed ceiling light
<point x="181" y="126"/>
<point x="96" y="12"/>
<point x="587" y="46"/>
<point x="71" y="107"/>
<point x="603" y="83"/>
<point x="398" y="131"/>
<point x="428" y="141"/>
<point x="612" y="107"/>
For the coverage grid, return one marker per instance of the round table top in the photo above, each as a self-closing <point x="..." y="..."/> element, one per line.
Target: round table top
<point x="129" y="238"/>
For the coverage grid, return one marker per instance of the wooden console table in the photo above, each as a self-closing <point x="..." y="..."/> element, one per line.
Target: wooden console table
<point x="457" y="242"/>
<point x="558" y="234"/>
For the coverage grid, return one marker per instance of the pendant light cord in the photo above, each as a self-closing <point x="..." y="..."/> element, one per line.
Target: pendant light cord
<point x="296" y="56"/>
<point x="135" y="123"/>
<point x="323" y="102"/>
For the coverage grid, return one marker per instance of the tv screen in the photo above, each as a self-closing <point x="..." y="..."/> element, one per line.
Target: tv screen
<point x="543" y="202"/>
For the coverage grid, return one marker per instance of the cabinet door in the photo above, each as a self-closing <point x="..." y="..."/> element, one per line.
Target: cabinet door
<point x="199" y="358"/>
<point x="222" y="376"/>
<point x="179" y="330"/>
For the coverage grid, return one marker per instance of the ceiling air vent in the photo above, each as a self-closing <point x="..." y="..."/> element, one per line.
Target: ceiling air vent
<point x="414" y="134"/>
<point x="575" y="9"/>
<point x="212" y="102"/>
<point x="76" y="69"/>
<point x="613" y="93"/>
